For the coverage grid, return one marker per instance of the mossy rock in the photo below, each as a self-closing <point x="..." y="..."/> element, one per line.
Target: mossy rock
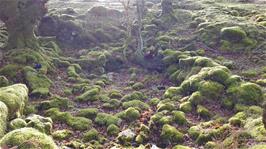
<point x="171" y="133"/>
<point x="90" y="113"/>
<point x="71" y="72"/>
<point x="27" y="138"/>
<point x="154" y="101"/>
<point x="185" y="106"/>
<point x="179" y="117"/>
<point x="203" y="112"/>
<point x="107" y="119"/>
<point x="211" y="90"/>
<point x="136" y="95"/>
<point x="3" y="118"/>
<point x="10" y="70"/>
<point x="113" y="129"/>
<point x="140" y="105"/>
<point x="181" y="147"/>
<point x="15" y="98"/>
<point x="238" y="119"/>
<point x="92" y="134"/>
<point x="115" y="94"/>
<point x="56" y="102"/>
<point x="112" y="104"/>
<point x="166" y="106"/>
<point x="196" y="98"/>
<point x="90" y="95"/>
<point x="78" y="123"/>
<point x="17" y="123"/>
<point x="138" y="86"/>
<point x="132" y="114"/>
<point x="233" y="34"/>
<point x="38" y="83"/>
<point x="62" y="134"/>
<point x="126" y="137"/>
<point x="43" y="124"/>
<point x="3" y="81"/>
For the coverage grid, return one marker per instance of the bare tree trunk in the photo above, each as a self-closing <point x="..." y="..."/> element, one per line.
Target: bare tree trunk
<point x="140" y="47"/>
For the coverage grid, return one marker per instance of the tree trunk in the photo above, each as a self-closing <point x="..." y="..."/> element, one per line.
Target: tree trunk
<point x="20" y="18"/>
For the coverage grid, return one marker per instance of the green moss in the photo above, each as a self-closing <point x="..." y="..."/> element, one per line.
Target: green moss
<point x="43" y="124"/>
<point x="196" y="98"/>
<point x="211" y="90"/>
<point x="17" y="123"/>
<point x="15" y="98"/>
<point x="171" y="133"/>
<point x="228" y="103"/>
<point x="113" y="129"/>
<point x="78" y="123"/>
<point x="10" y="70"/>
<point x="165" y="106"/>
<point x="194" y="131"/>
<point x="3" y="81"/>
<point x="210" y="145"/>
<point x="56" y="102"/>
<point x="27" y="138"/>
<point x="3" y="118"/>
<point x="90" y="95"/>
<point x="131" y="114"/>
<point x="115" y="94"/>
<point x="238" y="119"/>
<point x="185" y="106"/>
<point x="259" y="146"/>
<point x="135" y="104"/>
<point x="92" y="134"/>
<point x="203" y="112"/>
<point x="62" y="134"/>
<point x="172" y="91"/>
<point x="37" y="82"/>
<point x="179" y="117"/>
<point x="138" y="86"/>
<point x="218" y="74"/>
<point x="126" y="137"/>
<point x="107" y="119"/>
<point x="247" y="93"/>
<point x="181" y="147"/>
<point x="136" y="95"/>
<point x="90" y="113"/>
<point x="71" y="72"/>
<point x="233" y="34"/>
<point x="153" y="101"/>
<point x="112" y="104"/>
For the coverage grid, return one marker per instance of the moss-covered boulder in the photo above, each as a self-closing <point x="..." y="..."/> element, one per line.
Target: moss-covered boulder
<point x="132" y="114"/>
<point x="107" y="119"/>
<point x="170" y="133"/>
<point x="113" y="129"/>
<point x="234" y="33"/>
<point x="3" y="81"/>
<point x="62" y="134"/>
<point x="17" y="123"/>
<point x="126" y="137"/>
<point x="78" y="123"/>
<point x="27" y="138"/>
<point x="90" y="95"/>
<point x="38" y="83"/>
<point x="43" y="124"/>
<point x="15" y="98"/>
<point x="3" y="118"/>
<point x="92" y="134"/>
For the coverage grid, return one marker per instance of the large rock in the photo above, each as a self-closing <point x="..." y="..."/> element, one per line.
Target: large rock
<point x="15" y="98"/>
<point x="3" y="118"/>
<point x="27" y="138"/>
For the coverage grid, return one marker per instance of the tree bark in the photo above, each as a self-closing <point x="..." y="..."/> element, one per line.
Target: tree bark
<point x="20" y="18"/>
